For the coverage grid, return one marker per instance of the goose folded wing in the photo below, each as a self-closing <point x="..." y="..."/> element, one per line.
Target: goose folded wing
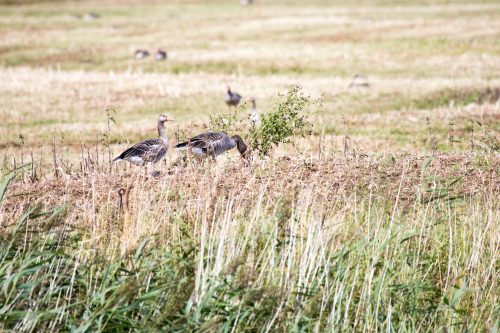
<point x="207" y="140"/>
<point x="143" y="148"/>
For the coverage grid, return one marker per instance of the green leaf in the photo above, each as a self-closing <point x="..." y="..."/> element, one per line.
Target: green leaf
<point x="139" y="250"/>
<point x="408" y="237"/>
<point x="457" y="296"/>
<point x="426" y="163"/>
<point x="453" y="182"/>
<point x="5" y="182"/>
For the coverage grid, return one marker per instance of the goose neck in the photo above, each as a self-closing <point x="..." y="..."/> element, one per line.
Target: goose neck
<point x="161" y="132"/>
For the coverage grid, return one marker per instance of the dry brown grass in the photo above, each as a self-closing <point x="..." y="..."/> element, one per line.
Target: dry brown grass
<point x="403" y="177"/>
<point x="385" y="218"/>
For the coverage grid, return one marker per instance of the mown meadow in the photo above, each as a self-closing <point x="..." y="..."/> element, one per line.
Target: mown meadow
<point x="380" y="214"/>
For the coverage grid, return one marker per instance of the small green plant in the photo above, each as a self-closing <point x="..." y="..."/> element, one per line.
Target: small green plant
<point x="286" y="120"/>
<point x="106" y="140"/>
<point x="490" y="141"/>
<point x="432" y="136"/>
<point x="226" y="122"/>
<point x="485" y="139"/>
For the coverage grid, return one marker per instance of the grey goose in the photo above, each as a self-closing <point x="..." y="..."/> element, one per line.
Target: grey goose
<point x="254" y="114"/>
<point x="141" y="54"/>
<point x="160" y="55"/>
<point x="232" y="98"/>
<point x="212" y="144"/>
<point x="359" y="80"/>
<point x="90" y="16"/>
<point x="148" y="151"/>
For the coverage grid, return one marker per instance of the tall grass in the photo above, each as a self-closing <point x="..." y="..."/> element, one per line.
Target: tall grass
<point x="402" y="244"/>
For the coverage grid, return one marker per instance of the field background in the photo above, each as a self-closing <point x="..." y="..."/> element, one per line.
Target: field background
<point x="385" y="218"/>
<point x="61" y="73"/>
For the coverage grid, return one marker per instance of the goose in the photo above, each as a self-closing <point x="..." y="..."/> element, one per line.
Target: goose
<point x="148" y="151"/>
<point x="246" y="2"/>
<point x="232" y="98"/>
<point x="141" y="54"/>
<point x="359" y="80"/>
<point x="90" y="16"/>
<point x="254" y="114"/>
<point x="212" y="144"/>
<point x="160" y="55"/>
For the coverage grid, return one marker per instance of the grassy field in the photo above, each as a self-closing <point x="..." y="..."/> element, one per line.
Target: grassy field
<point x="384" y="218"/>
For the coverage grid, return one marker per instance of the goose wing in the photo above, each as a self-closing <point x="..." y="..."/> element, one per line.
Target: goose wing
<point x="208" y="140"/>
<point x="143" y="149"/>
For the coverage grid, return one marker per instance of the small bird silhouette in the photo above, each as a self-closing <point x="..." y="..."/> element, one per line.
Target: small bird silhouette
<point x="141" y="54"/>
<point x="232" y="98"/>
<point x="254" y="114"/>
<point x="160" y="55"/>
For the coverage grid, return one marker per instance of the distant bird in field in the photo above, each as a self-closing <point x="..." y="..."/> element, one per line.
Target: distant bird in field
<point x="160" y="55"/>
<point x="90" y="16"/>
<point x="246" y="2"/>
<point x="232" y="98"/>
<point x="141" y="54"/>
<point x="212" y="144"/>
<point x="254" y="114"/>
<point x="359" y="80"/>
<point x="148" y="151"/>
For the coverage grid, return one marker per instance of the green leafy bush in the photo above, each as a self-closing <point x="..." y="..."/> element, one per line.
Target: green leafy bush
<point x="286" y="120"/>
<point x="226" y="122"/>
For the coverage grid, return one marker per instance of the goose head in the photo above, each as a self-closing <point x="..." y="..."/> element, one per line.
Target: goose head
<point x="162" y="118"/>
<point x="240" y="145"/>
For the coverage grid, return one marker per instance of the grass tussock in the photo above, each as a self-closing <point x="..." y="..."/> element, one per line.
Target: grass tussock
<point x="403" y="243"/>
